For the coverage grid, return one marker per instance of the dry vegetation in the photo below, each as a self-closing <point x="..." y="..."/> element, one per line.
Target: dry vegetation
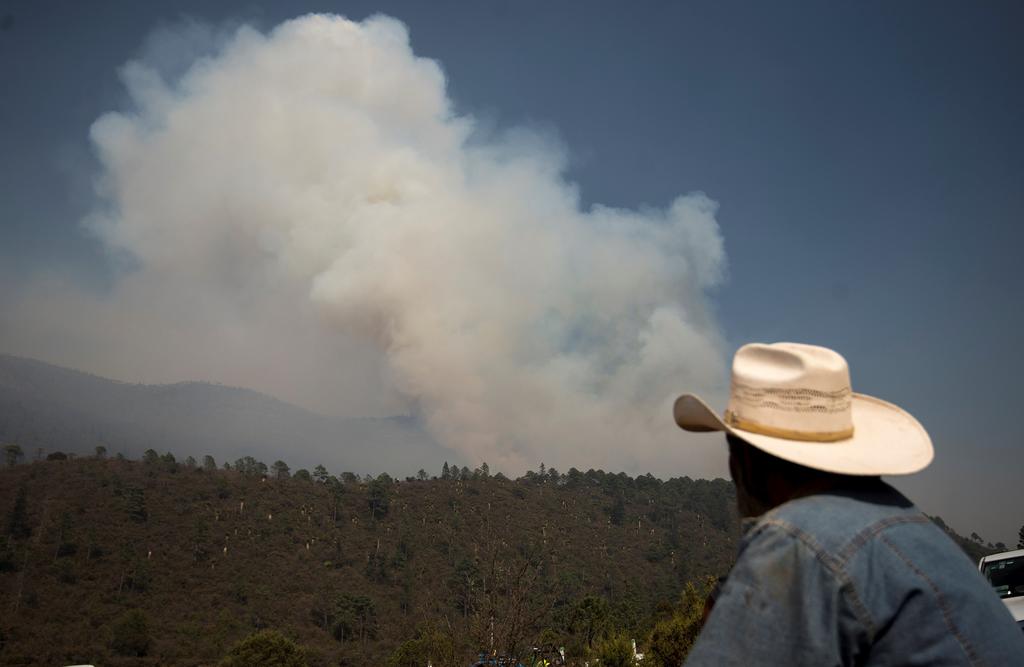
<point x="350" y="570"/>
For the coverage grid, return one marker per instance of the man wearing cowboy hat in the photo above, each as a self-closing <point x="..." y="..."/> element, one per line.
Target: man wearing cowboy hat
<point x="835" y="567"/>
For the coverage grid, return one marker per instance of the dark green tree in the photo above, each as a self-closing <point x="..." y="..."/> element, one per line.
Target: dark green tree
<point x="355" y="619"/>
<point x="200" y="541"/>
<point x="209" y="464"/>
<point x="169" y="463"/>
<point x="150" y="457"/>
<point x="101" y="452"/>
<point x="65" y="547"/>
<point x="485" y="470"/>
<point x="17" y="519"/>
<point x="463" y="584"/>
<point x="379" y="496"/>
<point x="589" y="618"/>
<point x="135" y="503"/>
<point x="303" y="475"/>
<point x="446" y="472"/>
<point x="320" y="473"/>
<point x="131" y="634"/>
<point x="1020" y="538"/>
<point x="250" y="467"/>
<point x="672" y="638"/>
<point x="13" y="454"/>
<point x="280" y="469"/>
<point x="421" y="475"/>
<point x="337" y="491"/>
<point x="617" y="511"/>
<point x="267" y="648"/>
<point x="191" y="463"/>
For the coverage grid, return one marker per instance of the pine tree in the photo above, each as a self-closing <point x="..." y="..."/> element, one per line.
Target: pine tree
<point x="135" y="502"/>
<point x="320" y="473"/>
<point x="337" y="490"/>
<point x="281" y="470"/>
<point x="209" y="463"/>
<point x="378" y="496"/>
<point x="13" y="454"/>
<point x="446" y="473"/>
<point x="17" y="520"/>
<point x="1020" y="538"/>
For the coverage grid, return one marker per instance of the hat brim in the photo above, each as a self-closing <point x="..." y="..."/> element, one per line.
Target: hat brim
<point x="886" y="440"/>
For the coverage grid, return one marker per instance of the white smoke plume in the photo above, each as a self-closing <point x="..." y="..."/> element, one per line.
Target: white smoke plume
<point x="305" y="213"/>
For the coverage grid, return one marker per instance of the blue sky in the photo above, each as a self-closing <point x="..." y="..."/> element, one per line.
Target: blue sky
<point x="868" y="160"/>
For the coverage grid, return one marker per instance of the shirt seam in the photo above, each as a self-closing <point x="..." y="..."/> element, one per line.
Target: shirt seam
<point x="834" y="567"/>
<point x="872" y="531"/>
<point x="944" y="607"/>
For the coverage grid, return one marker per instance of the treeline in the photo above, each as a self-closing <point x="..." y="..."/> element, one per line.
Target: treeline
<point x="161" y="561"/>
<point x="168" y="561"/>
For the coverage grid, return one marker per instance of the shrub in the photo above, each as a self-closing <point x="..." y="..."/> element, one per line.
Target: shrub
<point x="131" y="634"/>
<point x="267" y="648"/>
<point x="616" y="651"/>
<point x="673" y="638"/>
<point x="429" y="646"/>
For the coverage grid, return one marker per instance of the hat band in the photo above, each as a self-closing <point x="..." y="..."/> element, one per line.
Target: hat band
<point x="807" y="436"/>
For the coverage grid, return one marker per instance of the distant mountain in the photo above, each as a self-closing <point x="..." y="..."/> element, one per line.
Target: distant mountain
<point x="48" y="407"/>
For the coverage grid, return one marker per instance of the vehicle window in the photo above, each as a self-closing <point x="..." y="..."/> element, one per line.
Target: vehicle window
<point x="1006" y="576"/>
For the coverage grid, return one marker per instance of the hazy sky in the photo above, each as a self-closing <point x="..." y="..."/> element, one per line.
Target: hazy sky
<point x="866" y="159"/>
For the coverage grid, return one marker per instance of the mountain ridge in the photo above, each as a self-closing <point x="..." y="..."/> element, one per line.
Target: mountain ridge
<point x="46" y="406"/>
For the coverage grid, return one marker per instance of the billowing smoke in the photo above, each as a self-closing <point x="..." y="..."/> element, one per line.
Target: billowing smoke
<point x="303" y="212"/>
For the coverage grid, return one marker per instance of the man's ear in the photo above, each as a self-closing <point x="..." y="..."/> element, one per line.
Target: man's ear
<point x="750" y="488"/>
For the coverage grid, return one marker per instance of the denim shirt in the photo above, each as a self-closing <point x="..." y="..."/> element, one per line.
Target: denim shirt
<point x="857" y="577"/>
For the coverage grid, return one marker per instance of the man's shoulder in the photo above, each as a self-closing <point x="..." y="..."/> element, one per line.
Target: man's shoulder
<point x="837" y="523"/>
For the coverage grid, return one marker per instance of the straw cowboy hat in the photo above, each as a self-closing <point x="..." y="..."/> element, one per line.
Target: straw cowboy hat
<point x="794" y="401"/>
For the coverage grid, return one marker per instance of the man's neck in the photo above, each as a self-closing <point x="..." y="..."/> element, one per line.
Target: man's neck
<point x="781" y="491"/>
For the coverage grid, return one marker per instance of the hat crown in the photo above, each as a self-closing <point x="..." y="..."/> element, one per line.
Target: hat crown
<point x="791" y="390"/>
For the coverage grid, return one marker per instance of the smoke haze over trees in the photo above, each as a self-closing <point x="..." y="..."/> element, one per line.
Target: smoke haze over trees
<point x="365" y="250"/>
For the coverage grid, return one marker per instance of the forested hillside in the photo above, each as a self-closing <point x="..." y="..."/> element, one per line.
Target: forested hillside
<point x="118" y="562"/>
